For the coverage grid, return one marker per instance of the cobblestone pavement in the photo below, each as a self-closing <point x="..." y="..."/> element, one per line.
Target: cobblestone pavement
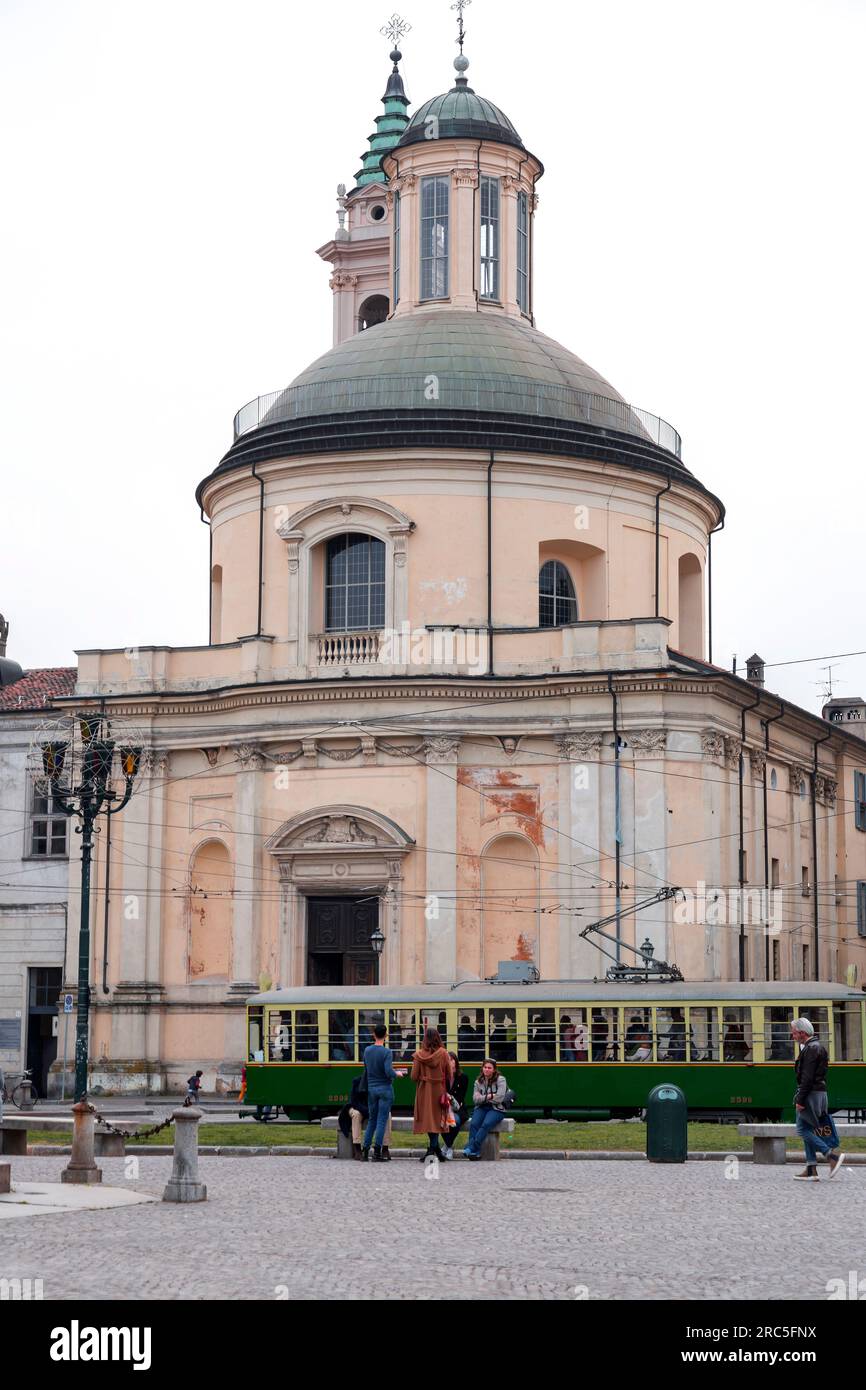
<point x="314" y="1228"/>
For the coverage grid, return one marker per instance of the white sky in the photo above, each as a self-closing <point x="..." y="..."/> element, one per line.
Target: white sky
<point x="168" y="169"/>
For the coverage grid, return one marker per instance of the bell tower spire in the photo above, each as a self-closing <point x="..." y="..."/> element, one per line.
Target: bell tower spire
<point x="394" y="120"/>
<point x="359" y="251"/>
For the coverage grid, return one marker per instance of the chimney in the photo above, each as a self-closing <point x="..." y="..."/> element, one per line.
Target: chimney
<point x="755" y="670"/>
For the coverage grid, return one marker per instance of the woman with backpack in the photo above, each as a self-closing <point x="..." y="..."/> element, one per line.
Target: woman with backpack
<point x="488" y="1097"/>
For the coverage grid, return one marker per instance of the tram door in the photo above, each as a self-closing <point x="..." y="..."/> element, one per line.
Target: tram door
<point x="338" y="941"/>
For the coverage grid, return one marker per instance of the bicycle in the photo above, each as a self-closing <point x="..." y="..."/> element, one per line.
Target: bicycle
<point x="23" y="1095"/>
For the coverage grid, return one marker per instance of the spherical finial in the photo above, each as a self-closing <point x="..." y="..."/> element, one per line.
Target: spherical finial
<point x="395" y="55"/>
<point x="461" y="63"/>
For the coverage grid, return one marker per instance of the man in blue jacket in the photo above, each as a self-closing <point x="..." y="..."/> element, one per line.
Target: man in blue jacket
<point x="379" y="1063"/>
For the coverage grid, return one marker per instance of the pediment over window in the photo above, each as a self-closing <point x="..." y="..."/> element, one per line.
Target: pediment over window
<point x="353" y="512"/>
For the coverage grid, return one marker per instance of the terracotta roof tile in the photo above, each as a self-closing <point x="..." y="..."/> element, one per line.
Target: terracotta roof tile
<point x="36" y="688"/>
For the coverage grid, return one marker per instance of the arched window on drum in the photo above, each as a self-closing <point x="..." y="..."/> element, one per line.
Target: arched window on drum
<point x="557" y="600"/>
<point x="354" y="583"/>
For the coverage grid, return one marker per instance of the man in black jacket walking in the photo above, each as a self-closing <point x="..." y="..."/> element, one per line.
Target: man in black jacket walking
<point x="814" y="1121"/>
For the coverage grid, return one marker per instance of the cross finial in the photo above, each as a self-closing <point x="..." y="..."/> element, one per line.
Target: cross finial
<point x="460" y="6"/>
<point x="395" y="28"/>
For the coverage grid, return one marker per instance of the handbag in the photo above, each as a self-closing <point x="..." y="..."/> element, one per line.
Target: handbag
<point x="509" y="1099"/>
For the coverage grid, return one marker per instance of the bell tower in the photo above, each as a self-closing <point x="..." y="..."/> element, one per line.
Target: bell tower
<point x="359" y="252"/>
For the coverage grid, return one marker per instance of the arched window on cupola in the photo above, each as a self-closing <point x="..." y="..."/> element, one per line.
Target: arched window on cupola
<point x="373" y="310"/>
<point x="557" y="601"/>
<point x="354" y="583"/>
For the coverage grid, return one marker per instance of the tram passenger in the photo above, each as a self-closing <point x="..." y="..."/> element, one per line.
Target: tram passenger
<point x="643" y="1047"/>
<point x="542" y="1040"/>
<point x="432" y="1072"/>
<point x="460" y="1110"/>
<point x="735" y="1048"/>
<point x="470" y="1040"/>
<point x="599" y="1040"/>
<point x="635" y="1030"/>
<point x="307" y="1036"/>
<point x="488" y="1096"/>
<point x="567" y="1039"/>
<point x="676" y="1037"/>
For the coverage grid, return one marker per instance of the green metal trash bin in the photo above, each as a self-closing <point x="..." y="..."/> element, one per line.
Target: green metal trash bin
<point x="667" y="1135"/>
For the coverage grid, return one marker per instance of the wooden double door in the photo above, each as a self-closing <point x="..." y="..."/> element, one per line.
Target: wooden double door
<point x="338" y="941"/>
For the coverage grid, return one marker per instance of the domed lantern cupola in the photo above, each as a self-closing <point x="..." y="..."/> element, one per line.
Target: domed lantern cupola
<point x="462" y="190"/>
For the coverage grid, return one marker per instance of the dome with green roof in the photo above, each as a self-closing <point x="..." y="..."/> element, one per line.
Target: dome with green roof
<point x="461" y="114"/>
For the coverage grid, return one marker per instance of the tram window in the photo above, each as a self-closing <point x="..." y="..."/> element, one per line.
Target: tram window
<point x="639" y="1036"/>
<point x="671" y="1026"/>
<point x="306" y="1036"/>
<point x="737" y="1035"/>
<point x="541" y="1035"/>
<point x="503" y="1035"/>
<point x="604" y="1035"/>
<point x="703" y="1035"/>
<point x="341" y="1035"/>
<point x="255" y="1046"/>
<point x="848" y="1029"/>
<point x="279" y="1035"/>
<point x="367" y="1021"/>
<point x="818" y="1019"/>
<point x="778" y="1042"/>
<point x="402" y="1033"/>
<point x="573" y="1035"/>
<point x="435" y="1018"/>
<point x="470" y="1035"/>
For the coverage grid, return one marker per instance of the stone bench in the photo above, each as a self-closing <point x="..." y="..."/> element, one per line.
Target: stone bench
<point x="404" y="1124"/>
<point x="769" y="1141"/>
<point x="13" y="1135"/>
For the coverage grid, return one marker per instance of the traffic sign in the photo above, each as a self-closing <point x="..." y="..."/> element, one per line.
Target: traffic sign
<point x="67" y="1003"/>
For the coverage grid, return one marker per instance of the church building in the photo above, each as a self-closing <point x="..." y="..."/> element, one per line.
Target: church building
<point x="456" y="702"/>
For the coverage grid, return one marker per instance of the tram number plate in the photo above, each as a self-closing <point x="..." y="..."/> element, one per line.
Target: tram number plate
<point x="741" y="1100"/>
<point x="343" y="1097"/>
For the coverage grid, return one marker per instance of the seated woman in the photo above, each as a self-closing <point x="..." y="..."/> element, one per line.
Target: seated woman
<point x="488" y="1097"/>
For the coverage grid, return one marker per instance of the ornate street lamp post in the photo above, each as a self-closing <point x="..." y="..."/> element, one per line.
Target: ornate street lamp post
<point x="87" y="752"/>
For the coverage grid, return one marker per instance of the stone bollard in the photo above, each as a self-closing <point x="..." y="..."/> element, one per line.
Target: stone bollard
<point x="5" y="1177"/>
<point x="183" y="1185"/>
<point x="81" y="1166"/>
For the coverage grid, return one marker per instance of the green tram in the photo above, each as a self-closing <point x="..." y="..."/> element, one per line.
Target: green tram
<point x="570" y="1050"/>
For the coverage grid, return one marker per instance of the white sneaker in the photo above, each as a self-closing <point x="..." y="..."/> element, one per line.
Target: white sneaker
<point x="807" y="1175"/>
<point x="836" y="1161"/>
<point x="449" y="1154"/>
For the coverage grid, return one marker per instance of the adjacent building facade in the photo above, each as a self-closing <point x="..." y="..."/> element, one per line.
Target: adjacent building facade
<point x="34" y="878"/>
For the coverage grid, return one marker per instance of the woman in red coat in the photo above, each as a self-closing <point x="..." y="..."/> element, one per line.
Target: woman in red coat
<point x="432" y="1070"/>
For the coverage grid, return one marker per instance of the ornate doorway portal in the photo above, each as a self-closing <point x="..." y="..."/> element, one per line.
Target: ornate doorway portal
<point x="341" y="870"/>
<point x="338" y="941"/>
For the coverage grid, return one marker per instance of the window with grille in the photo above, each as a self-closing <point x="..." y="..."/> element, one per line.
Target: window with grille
<point x="557" y="601"/>
<point x="489" y="238"/>
<point x="860" y="800"/>
<point x="48" y="824"/>
<point x="523" y="252"/>
<point x="434" y="237"/>
<point x="355" y="583"/>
